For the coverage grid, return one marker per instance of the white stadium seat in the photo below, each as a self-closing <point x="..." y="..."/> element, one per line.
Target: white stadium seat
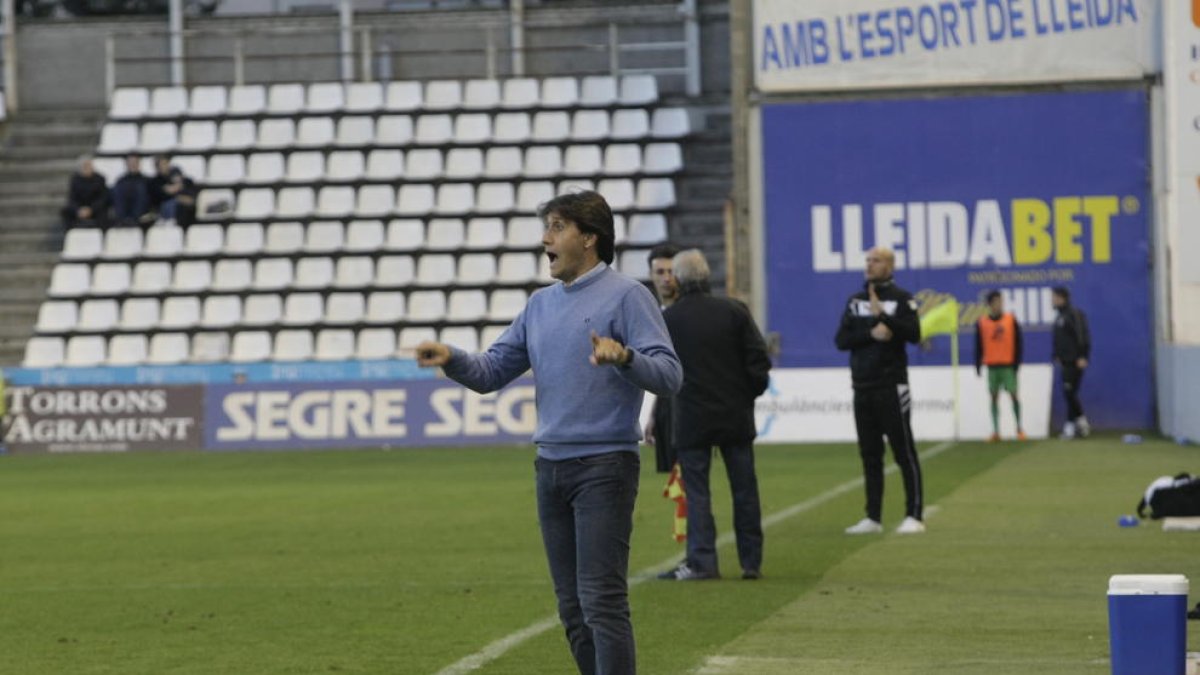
<point x="69" y="280"/>
<point x="197" y="136"/>
<point x="559" y="92"/>
<point x="272" y="274"/>
<point x="168" y="348"/>
<point x="244" y="239"/>
<point x="434" y="130"/>
<point x="355" y="132"/>
<point x="426" y="306"/>
<point x="226" y="169"/>
<point x="236" y="135"/>
<point x="139" y="314"/>
<point x="83" y="243"/>
<point x="180" y="312"/>
<point x="502" y="163"/>
<point x="303" y="309"/>
<point x="543" y="162"/>
<point x="44" y="352"/>
<point x="305" y="167"/>
<point x="629" y="124"/>
<point x="204" y="240"/>
<point x="455" y="198"/>
<point x="343" y="166"/>
<point x="164" y="241"/>
<point x="314" y="272"/>
<point x="532" y="194"/>
<point x="410" y="337"/>
<point x="618" y="192"/>
<point x="638" y="90"/>
<point x="444" y="234"/>
<point x="333" y="201"/>
<point x="232" y="275"/>
<point x="325" y="97"/>
<point x="463" y="337"/>
<point x="263" y="309"/>
<point x="247" y="99"/>
<point x="150" y="278"/>
<point x="118" y="138"/>
<point x="517" y="268"/>
<point x="485" y="233"/>
<point x="663" y="158"/>
<point x="255" y="204"/>
<point x="443" y="95"/>
<point x="590" y="125"/>
<point x="345" y="308"/>
<point x="582" y="160"/>
<point x="362" y="97"/>
<point x="254" y="345"/>
<point x="129" y="103"/>
<point x="395" y="270"/>
<point x="670" y="123"/>
<point x="276" y="133"/>
<point x="393" y="130"/>
<point x="521" y="92"/>
<point x="551" y="127"/>
<point x="464" y="163"/>
<point x="622" y="159"/>
<point x="375" y="343"/>
<point x="265" y="168"/>
<point x="85" y="350"/>
<point x="505" y="304"/>
<point x="111" y="278"/>
<point x="481" y="95"/>
<point x="364" y="235"/>
<point x="97" y="315"/>
<point x="404" y="96"/>
<point x="647" y="228"/>
<point x="476" y="269"/>
<point x="511" y="127"/>
<point x="655" y="193"/>
<point x="598" y="90"/>
<point x="324" y="237"/>
<point x="221" y="311"/>
<point x="354" y="272"/>
<point x="385" y="307"/>
<point x="127" y="350"/>
<point x="315" y="132"/>
<point x="210" y="347"/>
<point x="57" y="316"/>
<point x="495" y="198"/>
<point x="285" y="99"/>
<point x="375" y="200"/>
<point x="208" y="101"/>
<point x="435" y="269"/>
<point x="294" y="202"/>
<point x="293" y="345"/>
<point x="472" y="129"/>
<point x="405" y="234"/>
<point x="334" y="345"/>
<point x="158" y="137"/>
<point x="121" y="243"/>
<point x="414" y="199"/>
<point x="284" y="238"/>
<point x="524" y="232"/>
<point x="423" y="164"/>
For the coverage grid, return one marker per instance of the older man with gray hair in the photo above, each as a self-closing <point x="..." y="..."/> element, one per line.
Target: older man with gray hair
<point x="725" y="368"/>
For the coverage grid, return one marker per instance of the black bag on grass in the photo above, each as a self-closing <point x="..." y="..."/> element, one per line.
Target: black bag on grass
<point x="1167" y="497"/>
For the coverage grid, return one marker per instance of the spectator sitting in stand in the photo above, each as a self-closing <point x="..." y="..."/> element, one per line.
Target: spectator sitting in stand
<point x="172" y="194"/>
<point x="87" y="197"/>
<point x="131" y="194"/>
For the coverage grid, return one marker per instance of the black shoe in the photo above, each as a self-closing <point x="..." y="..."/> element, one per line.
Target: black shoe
<point x="1194" y="614"/>
<point x="751" y="574"/>
<point x="684" y="573"/>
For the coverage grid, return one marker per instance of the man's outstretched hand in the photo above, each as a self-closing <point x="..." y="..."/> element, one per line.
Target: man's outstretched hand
<point x="608" y="352"/>
<point x="432" y="354"/>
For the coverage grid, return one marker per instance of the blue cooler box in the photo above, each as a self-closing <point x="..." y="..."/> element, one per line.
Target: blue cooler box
<point x="1147" y="623"/>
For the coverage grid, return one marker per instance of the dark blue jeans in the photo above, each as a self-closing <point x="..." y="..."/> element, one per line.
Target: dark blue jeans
<point x="747" y="512"/>
<point x="585" y="507"/>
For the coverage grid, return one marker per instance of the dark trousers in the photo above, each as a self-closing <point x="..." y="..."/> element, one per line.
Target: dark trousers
<point x="664" y="453"/>
<point x="886" y="411"/>
<point x="747" y="512"/>
<point x="585" y="508"/>
<point x="1072" y="378"/>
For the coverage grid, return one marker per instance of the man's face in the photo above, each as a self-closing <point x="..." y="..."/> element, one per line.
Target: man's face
<point x="662" y="272"/>
<point x="133" y="164"/>
<point x="163" y="165"/>
<point x="86" y="169"/>
<point x="879" y="266"/>
<point x="1057" y="300"/>
<point x="997" y="305"/>
<point x="567" y="248"/>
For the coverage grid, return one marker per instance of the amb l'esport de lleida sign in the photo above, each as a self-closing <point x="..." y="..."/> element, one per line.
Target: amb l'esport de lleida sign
<point x="855" y="44"/>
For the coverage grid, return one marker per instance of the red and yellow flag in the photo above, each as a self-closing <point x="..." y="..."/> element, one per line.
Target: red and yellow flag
<point x="675" y="492"/>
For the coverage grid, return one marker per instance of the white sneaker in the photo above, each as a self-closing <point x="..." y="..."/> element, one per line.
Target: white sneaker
<point x="1085" y="429"/>
<point x="910" y="525"/>
<point x="1068" y="431"/>
<point x="865" y="526"/>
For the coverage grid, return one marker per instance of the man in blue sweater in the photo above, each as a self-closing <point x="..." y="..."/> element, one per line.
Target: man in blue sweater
<point x="595" y="341"/>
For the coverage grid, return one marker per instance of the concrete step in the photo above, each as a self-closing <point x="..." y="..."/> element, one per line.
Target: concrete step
<point x="70" y="152"/>
<point x="56" y="166"/>
<point x="36" y="222"/>
<point x="11" y="188"/>
<point x="24" y="241"/>
<point x="26" y="139"/>
<point x="10" y="261"/>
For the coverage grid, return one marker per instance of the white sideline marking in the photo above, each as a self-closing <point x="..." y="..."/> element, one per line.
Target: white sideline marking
<point x="498" y="648"/>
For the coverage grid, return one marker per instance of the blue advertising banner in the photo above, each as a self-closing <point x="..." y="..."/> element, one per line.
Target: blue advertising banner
<point x="1018" y="193"/>
<point x="272" y="371"/>
<point x="356" y="414"/>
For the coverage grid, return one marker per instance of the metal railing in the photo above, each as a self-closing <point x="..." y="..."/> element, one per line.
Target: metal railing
<point x="377" y="52"/>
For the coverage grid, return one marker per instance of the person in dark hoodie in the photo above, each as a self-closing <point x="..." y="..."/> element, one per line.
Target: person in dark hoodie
<point x="87" y="197"/>
<point x="131" y="194"/>
<point x="1072" y="348"/>
<point x="725" y="368"/>
<point x="875" y="326"/>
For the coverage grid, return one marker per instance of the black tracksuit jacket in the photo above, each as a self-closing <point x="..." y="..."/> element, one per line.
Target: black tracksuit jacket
<point x="876" y="364"/>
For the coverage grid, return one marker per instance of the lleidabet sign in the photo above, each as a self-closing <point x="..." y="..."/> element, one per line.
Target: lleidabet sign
<point x="860" y="44"/>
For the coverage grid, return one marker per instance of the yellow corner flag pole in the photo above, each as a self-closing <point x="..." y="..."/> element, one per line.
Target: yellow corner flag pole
<point x="943" y="320"/>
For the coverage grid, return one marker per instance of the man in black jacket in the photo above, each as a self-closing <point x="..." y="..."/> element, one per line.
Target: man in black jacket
<point x="877" y="323"/>
<point x="1072" y="347"/>
<point x="87" y="197"/>
<point x="725" y="368"/>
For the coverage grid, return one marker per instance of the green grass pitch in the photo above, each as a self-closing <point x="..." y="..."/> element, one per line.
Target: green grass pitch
<point x="407" y="561"/>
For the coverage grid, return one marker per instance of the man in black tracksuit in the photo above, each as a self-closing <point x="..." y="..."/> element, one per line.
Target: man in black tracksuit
<point x="1072" y="348"/>
<point x="875" y="326"/>
<point x="725" y="368"/>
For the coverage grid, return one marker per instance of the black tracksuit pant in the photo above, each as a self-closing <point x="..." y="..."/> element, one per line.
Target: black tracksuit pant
<point x="886" y="411"/>
<point x="1072" y="378"/>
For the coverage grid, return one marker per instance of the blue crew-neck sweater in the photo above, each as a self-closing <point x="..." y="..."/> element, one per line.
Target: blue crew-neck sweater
<point x="581" y="409"/>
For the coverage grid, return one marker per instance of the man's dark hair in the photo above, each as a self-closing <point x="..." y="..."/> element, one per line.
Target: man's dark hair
<point x="1062" y="292"/>
<point x="590" y="213"/>
<point x="992" y="295"/>
<point x="662" y="251"/>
